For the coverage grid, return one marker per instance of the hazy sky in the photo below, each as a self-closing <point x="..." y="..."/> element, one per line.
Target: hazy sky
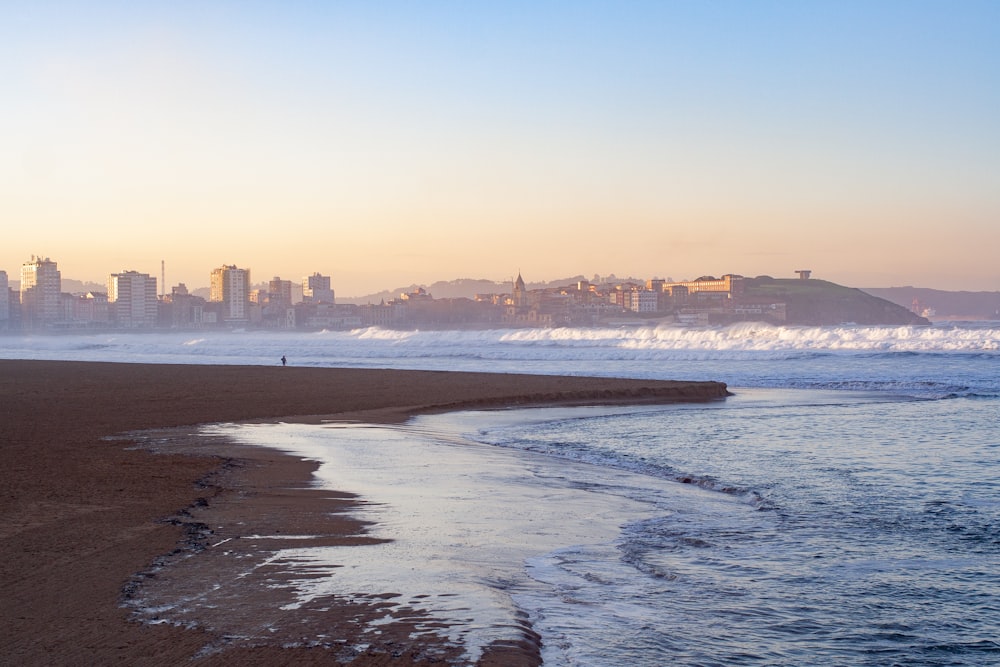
<point x="386" y="143"/>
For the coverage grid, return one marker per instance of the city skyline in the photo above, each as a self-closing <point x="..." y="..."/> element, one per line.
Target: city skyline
<point x="319" y="284"/>
<point x="404" y="144"/>
<point x="40" y="303"/>
<point x="323" y="286"/>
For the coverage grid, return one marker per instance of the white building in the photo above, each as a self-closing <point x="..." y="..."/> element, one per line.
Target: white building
<point x="132" y="296"/>
<point x="645" y="301"/>
<point x="316" y="289"/>
<point x="41" y="284"/>
<point x="231" y="286"/>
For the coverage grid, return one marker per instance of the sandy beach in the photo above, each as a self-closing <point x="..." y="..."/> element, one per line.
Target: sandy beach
<point x="86" y="517"/>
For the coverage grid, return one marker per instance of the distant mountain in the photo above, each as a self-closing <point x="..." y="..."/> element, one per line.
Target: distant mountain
<point x="943" y="305"/>
<point x="71" y="286"/>
<point x="450" y="289"/>
<point x="469" y="287"/>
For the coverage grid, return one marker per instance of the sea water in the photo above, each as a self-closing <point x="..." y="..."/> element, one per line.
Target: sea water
<point x="843" y="507"/>
<point x="868" y="533"/>
<point x="775" y="528"/>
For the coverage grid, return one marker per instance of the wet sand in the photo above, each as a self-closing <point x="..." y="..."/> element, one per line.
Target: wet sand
<point x="86" y="519"/>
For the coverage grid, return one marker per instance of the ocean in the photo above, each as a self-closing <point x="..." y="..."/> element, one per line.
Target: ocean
<point x="842" y="507"/>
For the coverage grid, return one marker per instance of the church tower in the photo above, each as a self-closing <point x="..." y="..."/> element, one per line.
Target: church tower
<point x="520" y="293"/>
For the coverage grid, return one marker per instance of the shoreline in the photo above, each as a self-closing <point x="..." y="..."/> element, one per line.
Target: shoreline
<point x="85" y="512"/>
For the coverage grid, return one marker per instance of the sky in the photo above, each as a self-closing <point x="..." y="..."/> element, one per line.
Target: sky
<point x="392" y="143"/>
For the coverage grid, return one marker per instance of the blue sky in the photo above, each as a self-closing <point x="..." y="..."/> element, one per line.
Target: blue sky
<point x="390" y="143"/>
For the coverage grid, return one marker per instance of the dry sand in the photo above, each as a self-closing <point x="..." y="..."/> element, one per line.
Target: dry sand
<point x="85" y="519"/>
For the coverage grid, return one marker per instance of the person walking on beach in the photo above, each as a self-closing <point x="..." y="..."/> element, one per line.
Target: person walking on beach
<point x="283" y="360"/>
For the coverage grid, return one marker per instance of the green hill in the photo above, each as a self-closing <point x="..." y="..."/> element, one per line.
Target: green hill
<point x="819" y="302"/>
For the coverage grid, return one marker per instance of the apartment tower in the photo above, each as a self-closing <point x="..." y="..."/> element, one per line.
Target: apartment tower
<point x="4" y="301"/>
<point x="132" y="296"/>
<point x="316" y="289"/>
<point x="279" y="292"/>
<point x="231" y="286"/>
<point x="41" y="285"/>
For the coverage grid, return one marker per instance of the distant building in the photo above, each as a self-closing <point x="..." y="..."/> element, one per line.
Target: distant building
<point x="677" y="295"/>
<point x="729" y="285"/>
<point x="279" y="292"/>
<point x="645" y="301"/>
<point x="419" y="294"/>
<point x="316" y="289"/>
<point x="90" y="309"/>
<point x="41" y="285"/>
<point x="183" y="309"/>
<point x="4" y="301"/>
<point x="274" y="304"/>
<point x="230" y="286"/>
<point x="380" y="314"/>
<point x="520" y="293"/>
<point x="132" y="299"/>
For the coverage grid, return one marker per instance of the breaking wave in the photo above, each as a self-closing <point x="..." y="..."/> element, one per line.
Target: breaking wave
<point x="931" y="361"/>
<point x="754" y="337"/>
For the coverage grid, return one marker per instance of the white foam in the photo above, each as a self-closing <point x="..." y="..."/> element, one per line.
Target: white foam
<point x="463" y="518"/>
<point x="948" y="360"/>
<point x="662" y="343"/>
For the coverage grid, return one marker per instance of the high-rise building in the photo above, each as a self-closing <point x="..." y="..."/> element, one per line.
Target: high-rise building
<point x="41" y="284"/>
<point x="132" y="296"/>
<point x="279" y="291"/>
<point x="231" y="286"/>
<point x="316" y="289"/>
<point x="4" y="301"/>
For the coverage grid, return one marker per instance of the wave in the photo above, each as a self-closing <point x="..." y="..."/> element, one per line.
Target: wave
<point x="568" y="436"/>
<point x="962" y="360"/>
<point x="745" y="340"/>
<point x="736" y="338"/>
<point x="580" y="453"/>
<point x="916" y="389"/>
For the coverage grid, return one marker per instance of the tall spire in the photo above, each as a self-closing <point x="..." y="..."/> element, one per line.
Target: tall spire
<point x="520" y="293"/>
